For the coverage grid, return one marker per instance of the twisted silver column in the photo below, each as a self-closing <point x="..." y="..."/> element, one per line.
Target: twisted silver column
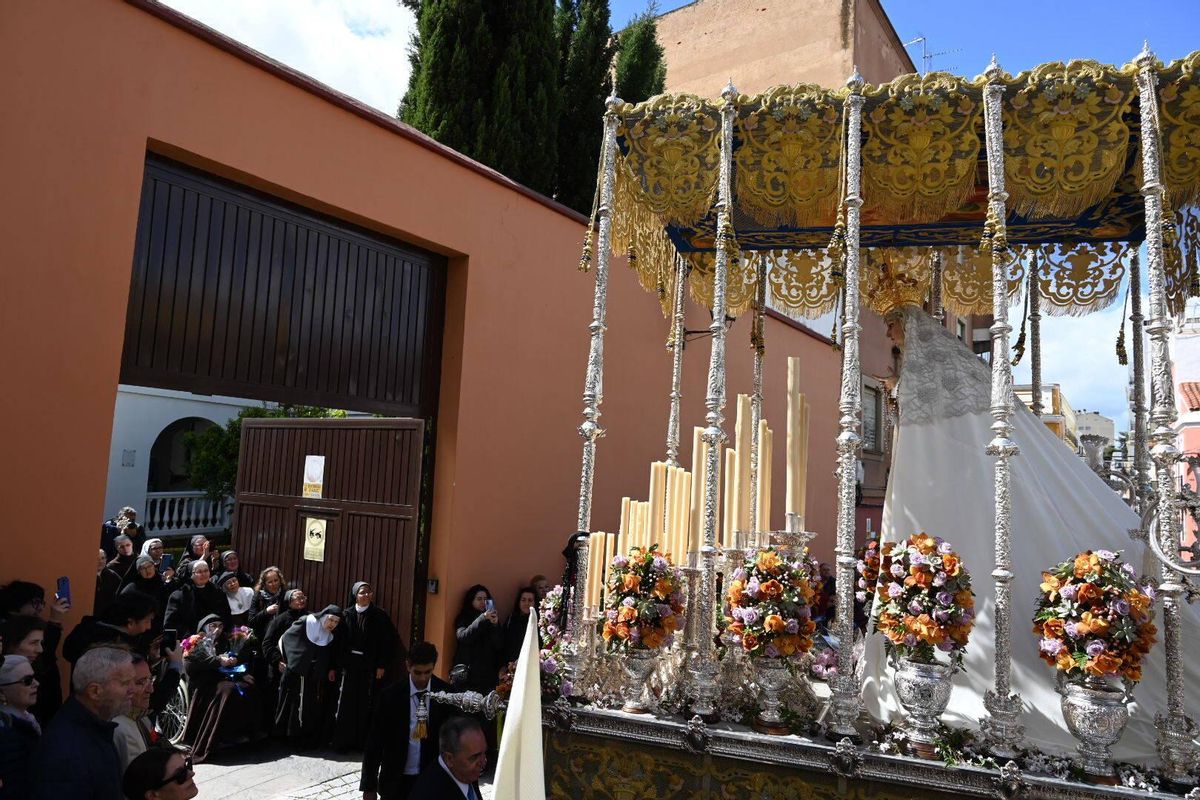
<point x="1176" y="747"/>
<point x="1141" y="457"/>
<point x="704" y="672"/>
<point x="846" y="690"/>
<point x="1035" y="336"/>
<point x="1002" y="725"/>
<point x="758" y="342"/>
<point x="935" y="287"/>
<point x="676" y="344"/>
<point x="593" y="386"/>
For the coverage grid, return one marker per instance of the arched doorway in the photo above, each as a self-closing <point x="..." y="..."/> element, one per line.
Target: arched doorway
<point x="173" y="506"/>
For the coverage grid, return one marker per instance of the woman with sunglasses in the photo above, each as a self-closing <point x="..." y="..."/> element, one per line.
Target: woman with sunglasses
<point x="160" y="773"/>
<point x="29" y="599"/>
<point x="19" y="729"/>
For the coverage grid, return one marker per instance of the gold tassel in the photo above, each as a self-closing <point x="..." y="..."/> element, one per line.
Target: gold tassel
<point x="585" y="260"/>
<point x="420" y="730"/>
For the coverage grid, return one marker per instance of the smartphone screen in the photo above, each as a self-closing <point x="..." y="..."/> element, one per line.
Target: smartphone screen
<point x="168" y="639"/>
<point x="491" y="606"/>
<point x="64" y="589"/>
<point x="167" y="561"/>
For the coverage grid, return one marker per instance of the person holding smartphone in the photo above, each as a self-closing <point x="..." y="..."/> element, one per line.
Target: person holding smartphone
<point x="477" y="628"/>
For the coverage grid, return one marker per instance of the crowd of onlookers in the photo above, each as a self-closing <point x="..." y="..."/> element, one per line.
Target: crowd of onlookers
<point x="253" y="661"/>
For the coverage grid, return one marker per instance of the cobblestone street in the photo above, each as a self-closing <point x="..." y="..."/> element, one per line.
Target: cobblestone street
<point x="271" y="772"/>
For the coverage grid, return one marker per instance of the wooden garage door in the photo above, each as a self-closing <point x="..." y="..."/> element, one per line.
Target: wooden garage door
<point x="370" y="502"/>
<point x="238" y="293"/>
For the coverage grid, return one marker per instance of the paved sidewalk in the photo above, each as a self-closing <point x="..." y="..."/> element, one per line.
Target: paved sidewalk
<point x="270" y="772"/>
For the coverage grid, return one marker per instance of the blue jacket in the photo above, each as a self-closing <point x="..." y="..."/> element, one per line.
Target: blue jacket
<point x="77" y="759"/>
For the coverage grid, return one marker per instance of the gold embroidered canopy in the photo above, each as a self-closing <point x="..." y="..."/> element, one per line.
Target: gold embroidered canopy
<point x="1071" y="168"/>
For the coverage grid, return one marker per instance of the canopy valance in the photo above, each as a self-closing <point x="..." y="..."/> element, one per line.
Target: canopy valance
<point x="1071" y="171"/>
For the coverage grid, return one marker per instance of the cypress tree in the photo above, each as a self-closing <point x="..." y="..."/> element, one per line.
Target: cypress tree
<point x="585" y="61"/>
<point x="641" y="71"/>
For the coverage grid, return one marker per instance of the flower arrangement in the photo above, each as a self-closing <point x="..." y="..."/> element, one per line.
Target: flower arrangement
<point x="1093" y="618"/>
<point x="867" y="567"/>
<point x="189" y="644"/>
<point x="552" y="638"/>
<point x="925" y="600"/>
<point x="824" y="666"/>
<point x="644" y="604"/>
<point x="238" y="638"/>
<point x="770" y="604"/>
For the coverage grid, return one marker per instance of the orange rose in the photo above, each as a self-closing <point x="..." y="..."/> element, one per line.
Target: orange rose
<point x="669" y="623"/>
<point x="749" y="640"/>
<point x="627" y="614"/>
<point x="767" y="561"/>
<point x="963" y="598"/>
<point x="771" y="589"/>
<point x="631" y="582"/>
<point x="1088" y="593"/>
<point x="926" y="629"/>
<point x="1095" y="623"/>
<point x="609" y="630"/>
<point x="1139" y="603"/>
<point x="924" y="543"/>
<point x="774" y="623"/>
<point x="1086" y="564"/>
<point x="786" y="645"/>
<point x="919" y="577"/>
<point x="808" y="626"/>
<point x="737" y="628"/>
<point x="1132" y="673"/>
<point x="1064" y="661"/>
<point x="735" y="592"/>
<point x="662" y="588"/>
<point x="622" y="630"/>
<point x="951" y="565"/>
<point x="1051" y="584"/>
<point x="1053" y="629"/>
<point x="1104" y="664"/>
<point x="653" y="638"/>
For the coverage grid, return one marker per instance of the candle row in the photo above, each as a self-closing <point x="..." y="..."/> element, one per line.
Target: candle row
<point x="664" y="519"/>
<point x="737" y="482"/>
<point x="602" y="550"/>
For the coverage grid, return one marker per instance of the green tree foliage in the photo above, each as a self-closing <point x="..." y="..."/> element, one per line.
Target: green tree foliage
<point x="641" y="71"/>
<point x="212" y="454"/>
<point x="586" y="51"/>
<point x="485" y="82"/>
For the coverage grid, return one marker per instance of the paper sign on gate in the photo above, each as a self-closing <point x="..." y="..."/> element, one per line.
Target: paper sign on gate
<point x="314" y="539"/>
<point x="314" y="475"/>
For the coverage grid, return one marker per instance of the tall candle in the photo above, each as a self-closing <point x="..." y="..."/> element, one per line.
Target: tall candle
<point x="802" y="478"/>
<point x="794" y="399"/>
<point x="699" y="467"/>
<point x="763" y="522"/>
<point x="729" y="538"/>
<point x="658" y="496"/>
<point x="685" y="533"/>
<point x="626" y="509"/>
<point x="743" y="433"/>
<point x="680" y="506"/>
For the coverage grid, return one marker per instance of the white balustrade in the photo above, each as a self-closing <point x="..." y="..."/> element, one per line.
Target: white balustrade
<point x="184" y="513"/>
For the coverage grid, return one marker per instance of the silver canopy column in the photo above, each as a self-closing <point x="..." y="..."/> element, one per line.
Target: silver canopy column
<point x="593" y="387"/>
<point x="704" y="684"/>
<point x="1176" y="746"/>
<point x="1002" y="726"/>
<point x="845" y="701"/>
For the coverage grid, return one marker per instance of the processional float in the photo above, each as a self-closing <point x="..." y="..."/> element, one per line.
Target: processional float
<point x="933" y="190"/>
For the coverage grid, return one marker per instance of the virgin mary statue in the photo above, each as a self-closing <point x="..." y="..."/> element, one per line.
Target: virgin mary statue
<point x="941" y="483"/>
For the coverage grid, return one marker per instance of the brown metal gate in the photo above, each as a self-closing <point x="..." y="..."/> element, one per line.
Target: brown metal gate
<point x="370" y="499"/>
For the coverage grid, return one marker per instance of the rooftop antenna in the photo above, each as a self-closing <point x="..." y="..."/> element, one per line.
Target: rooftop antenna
<point x="926" y="56"/>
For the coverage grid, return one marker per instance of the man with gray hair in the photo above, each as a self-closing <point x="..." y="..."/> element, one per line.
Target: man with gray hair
<point x="76" y="757"/>
<point x="455" y="774"/>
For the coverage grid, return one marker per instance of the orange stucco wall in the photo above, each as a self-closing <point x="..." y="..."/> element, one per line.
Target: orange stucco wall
<point x="88" y="88"/>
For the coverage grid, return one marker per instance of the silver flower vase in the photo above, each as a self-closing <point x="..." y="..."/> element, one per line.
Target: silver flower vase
<point x="639" y="663"/>
<point x="924" y="691"/>
<point x="771" y="674"/>
<point x="1096" y="713"/>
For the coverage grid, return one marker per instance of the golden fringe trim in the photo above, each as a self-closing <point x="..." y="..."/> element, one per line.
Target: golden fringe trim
<point x="639" y="234"/>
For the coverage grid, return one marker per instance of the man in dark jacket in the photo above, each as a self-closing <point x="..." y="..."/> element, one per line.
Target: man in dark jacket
<point x="77" y="757"/>
<point x="397" y="747"/>
<point x="194" y="601"/>
<point x="455" y="773"/>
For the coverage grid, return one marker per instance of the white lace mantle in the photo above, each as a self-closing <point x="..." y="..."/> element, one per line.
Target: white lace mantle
<point x="939" y="376"/>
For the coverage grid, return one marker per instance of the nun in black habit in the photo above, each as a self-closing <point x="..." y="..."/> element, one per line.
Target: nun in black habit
<point x="307" y="682"/>
<point x="366" y="650"/>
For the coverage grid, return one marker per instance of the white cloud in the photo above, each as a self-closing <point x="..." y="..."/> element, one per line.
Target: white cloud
<point x="359" y="47"/>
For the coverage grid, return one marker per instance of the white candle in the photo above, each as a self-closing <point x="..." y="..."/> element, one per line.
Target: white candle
<point x="743" y="433"/>
<point x="658" y="497"/>
<point x="729" y="537"/>
<point x="699" y="465"/>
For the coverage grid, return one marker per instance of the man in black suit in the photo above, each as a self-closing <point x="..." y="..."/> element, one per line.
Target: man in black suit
<point x="455" y="774"/>
<point x="397" y="749"/>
